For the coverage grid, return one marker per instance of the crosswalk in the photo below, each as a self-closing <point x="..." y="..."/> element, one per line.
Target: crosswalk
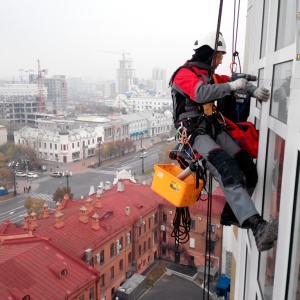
<point x="107" y="172"/>
<point x="46" y="197"/>
<point x="42" y="179"/>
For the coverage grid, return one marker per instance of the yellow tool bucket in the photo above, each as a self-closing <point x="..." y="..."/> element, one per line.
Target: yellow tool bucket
<point x="180" y="193"/>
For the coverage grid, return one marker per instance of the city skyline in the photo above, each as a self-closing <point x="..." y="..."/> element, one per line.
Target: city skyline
<point x="87" y="39"/>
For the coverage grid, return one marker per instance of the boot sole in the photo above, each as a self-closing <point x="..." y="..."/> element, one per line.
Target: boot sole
<point x="269" y="236"/>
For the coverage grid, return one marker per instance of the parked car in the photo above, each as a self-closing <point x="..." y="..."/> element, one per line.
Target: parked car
<point x="20" y="174"/>
<point x="32" y="175"/>
<point x="56" y="174"/>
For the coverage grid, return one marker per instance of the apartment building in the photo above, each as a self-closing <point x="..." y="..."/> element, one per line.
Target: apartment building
<point x="57" y="94"/>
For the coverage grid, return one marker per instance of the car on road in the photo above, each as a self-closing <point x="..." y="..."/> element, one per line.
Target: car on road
<point x="143" y="154"/>
<point x="32" y="175"/>
<point x="20" y="174"/>
<point x="56" y="174"/>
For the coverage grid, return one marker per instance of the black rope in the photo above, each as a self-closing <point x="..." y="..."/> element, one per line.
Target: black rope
<point x="218" y="31"/>
<point x="208" y="239"/>
<point x="182" y="225"/>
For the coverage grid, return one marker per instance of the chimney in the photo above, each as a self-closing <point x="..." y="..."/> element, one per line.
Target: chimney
<point x="98" y="203"/>
<point x="127" y="211"/>
<point x="58" y="206"/>
<point x="107" y="185"/>
<point x="92" y="190"/>
<point x="95" y="225"/>
<point x="26" y="221"/>
<point x="89" y="205"/>
<point x="83" y="215"/>
<point x="59" y="220"/>
<point x="120" y="186"/>
<point x="33" y="221"/>
<point x="45" y="212"/>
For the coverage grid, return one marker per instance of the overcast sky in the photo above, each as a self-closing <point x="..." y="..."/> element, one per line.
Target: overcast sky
<point x="67" y="36"/>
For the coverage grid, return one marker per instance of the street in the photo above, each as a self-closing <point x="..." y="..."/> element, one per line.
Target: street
<point x="80" y="183"/>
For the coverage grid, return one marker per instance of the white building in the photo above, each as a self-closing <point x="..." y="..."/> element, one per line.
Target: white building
<point x="61" y="140"/>
<point x="148" y="124"/>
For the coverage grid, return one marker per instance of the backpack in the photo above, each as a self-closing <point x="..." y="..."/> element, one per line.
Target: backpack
<point x="178" y="98"/>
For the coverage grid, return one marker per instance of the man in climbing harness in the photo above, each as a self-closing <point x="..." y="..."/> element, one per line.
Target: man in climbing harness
<point x="194" y="89"/>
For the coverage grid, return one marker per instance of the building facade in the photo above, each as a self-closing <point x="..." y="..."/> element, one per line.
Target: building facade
<point x="3" y="135"/>
<point x="272" y="53"/>
<point x="61" y="141"/>
<point x="19" y="103"/>
<point x="57" y="90"/>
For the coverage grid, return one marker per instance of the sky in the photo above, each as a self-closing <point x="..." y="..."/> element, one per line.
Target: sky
<point x="86" y="38"/>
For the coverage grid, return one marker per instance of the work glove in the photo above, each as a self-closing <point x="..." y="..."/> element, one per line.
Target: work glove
<point x="261" y="94"/>
<point x="238" y="84"/>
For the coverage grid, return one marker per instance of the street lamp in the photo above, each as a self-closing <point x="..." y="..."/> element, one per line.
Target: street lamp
<point x="67" y="175"/>
<point x="13" y="165"/>
<point x="143" y="152"/>
<point x="99" y="154"/>
<point x="26" y="167"/>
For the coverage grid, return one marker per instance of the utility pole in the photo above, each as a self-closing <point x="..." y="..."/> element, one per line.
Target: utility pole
<point x="13" y="165"/>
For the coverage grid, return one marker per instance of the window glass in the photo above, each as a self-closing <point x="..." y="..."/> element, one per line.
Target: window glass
<point x="281" y="91"/>
<point x="264" y="29"/>
<point x="286" y="23"/>
<point x="294" y="260"/>
<point x="271" y="205"/>
<point x="261" y="76"/>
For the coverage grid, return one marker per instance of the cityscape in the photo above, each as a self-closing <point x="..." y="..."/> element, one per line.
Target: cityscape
<point x="87" y="206"/>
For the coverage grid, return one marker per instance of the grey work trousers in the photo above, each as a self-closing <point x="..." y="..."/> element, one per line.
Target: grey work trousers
<point x="235" y="193"/>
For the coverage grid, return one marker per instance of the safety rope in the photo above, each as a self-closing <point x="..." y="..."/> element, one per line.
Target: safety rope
<point x="235" y="28"/>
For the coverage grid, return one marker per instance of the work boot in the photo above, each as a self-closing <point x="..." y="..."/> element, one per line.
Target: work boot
<point x="265" y="233"/>
<point x="228" y="218"/>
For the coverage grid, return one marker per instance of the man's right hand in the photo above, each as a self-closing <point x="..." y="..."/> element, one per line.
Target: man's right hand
<point x="238" y="84"/>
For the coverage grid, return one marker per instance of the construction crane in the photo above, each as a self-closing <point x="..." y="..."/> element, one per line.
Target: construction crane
<point x="41" y="73"/>
<point x="122" y="53"/>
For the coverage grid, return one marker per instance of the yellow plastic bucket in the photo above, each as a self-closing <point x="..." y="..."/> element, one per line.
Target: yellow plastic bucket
<point x="180" y="193"/>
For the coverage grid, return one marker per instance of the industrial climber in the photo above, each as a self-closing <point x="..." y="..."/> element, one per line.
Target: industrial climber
<point x="194" y="88"/>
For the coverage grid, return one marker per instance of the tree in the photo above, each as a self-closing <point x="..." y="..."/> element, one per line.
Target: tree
<point x="129" y="144"/>
<point x="35" y="205"/>
<point x="6" y="178"/>
<point x="60" y="193"/>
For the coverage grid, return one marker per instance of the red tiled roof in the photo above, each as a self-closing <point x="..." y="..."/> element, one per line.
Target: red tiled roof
<point x="76" y="236"/>
<point x="33" y="268"/>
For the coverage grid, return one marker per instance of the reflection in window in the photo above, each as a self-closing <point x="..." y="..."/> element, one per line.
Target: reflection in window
<point x="271" y="205"/>
<point x="286" y="23"/>
<point x="281" y="90"/>
<point x="264" y="29"/>
<point x="294" y="260"/>
<point x="261" y="76"/>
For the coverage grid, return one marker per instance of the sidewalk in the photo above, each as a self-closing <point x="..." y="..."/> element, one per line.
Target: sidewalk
<point x="21" y="184"/>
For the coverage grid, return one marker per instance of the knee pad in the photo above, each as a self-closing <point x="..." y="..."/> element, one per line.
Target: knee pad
<point x="227" y="167"/>
<point x="248" y="167"/>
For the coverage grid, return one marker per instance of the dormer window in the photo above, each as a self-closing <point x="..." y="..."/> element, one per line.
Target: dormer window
<point x="63" y="273"/>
